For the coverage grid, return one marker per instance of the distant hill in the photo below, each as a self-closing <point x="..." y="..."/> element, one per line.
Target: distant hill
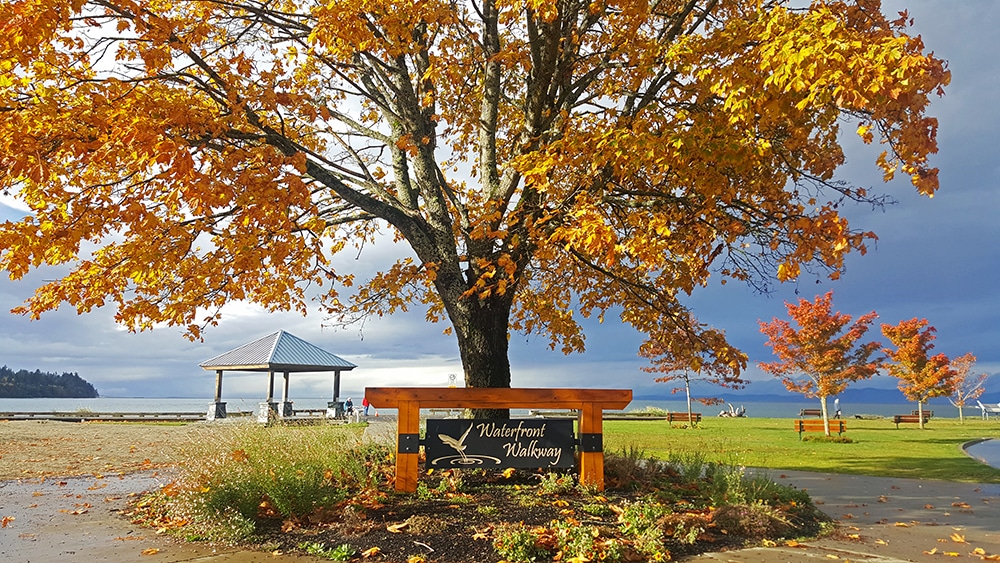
<point x="24" y="384"/>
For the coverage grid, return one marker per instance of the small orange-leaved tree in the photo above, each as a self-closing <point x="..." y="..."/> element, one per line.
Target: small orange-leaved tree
<point x="813" y="359"/>
<point x="921" y="376"/>
<point x="690" y="359"/>
<point x="968" y="387"/>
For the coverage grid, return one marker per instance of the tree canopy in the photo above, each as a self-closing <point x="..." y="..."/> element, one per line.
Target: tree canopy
<point x="546" y="161"/>
<point x="819" y="358"/>
<point x="33" y="384"/>
<point x="921" y="375"/>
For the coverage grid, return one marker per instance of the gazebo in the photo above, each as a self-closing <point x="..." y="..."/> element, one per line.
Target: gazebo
<point x="279" y="352"/>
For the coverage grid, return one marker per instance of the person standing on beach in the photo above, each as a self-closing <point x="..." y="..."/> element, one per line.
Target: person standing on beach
<point x="365" y="404"/>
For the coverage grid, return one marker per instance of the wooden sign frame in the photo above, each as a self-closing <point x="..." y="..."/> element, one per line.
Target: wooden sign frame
<point x="591" y="404"/>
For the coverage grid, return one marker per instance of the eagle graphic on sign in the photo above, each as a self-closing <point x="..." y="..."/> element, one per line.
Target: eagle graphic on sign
<point x="457" y="445"/>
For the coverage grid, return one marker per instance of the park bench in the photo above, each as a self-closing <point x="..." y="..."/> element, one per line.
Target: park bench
<point x="838" y="426"/>
<point x="928" y="414"/>
<point x="683" y="417"/>
<point x="908" y="419"/>
<point x="811" y="412"/>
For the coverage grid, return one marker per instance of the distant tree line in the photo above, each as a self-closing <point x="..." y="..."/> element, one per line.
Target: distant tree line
<point x="35" y="384"/>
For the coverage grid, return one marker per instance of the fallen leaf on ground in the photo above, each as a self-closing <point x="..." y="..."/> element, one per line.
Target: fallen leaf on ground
<point x="958" y="538"/>
<point x="929" y="506"/>
<point x="961" y="505"/>
<point x="881" y="542"/>
<point x="150" y="551"/>
<point x="371" y="552"/>
<point x="5" y="521"/>
<point x="397" y="528"/>
<point x="931" y="552"/>
<point x="901" y="525"/>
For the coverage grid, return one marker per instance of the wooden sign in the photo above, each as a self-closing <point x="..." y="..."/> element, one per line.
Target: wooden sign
<point x="523" y="443"/>
<point x="590" y="403"/>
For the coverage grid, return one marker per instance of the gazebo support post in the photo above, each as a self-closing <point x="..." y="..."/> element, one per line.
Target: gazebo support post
<point x="268" y="409"/>
<point x="286" y="405"/>
<point x="335" y="408"/>
<point x="217" y="409"/>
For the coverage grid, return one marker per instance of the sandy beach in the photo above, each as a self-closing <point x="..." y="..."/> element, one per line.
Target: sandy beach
<point x="33" y="449"/>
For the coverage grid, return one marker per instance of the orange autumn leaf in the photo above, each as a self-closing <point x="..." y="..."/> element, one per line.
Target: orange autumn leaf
<point x="150" y="551"/>
<point x="5" y="521"/>
<point x="958" y="538"/>
<point x="371" y="552"/>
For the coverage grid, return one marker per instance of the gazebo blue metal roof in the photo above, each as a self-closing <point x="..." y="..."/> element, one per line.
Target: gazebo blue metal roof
<point x="278" y="352"/>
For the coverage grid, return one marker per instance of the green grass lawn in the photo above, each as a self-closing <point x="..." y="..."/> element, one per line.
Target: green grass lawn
<point x="877" y="447"/>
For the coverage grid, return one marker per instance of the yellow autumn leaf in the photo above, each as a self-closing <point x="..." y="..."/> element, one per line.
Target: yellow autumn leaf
<point x="958" y="538"/>
<point x="371" y="552"/>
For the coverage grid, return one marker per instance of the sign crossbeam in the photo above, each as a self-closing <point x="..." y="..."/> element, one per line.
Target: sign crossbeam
<point x="591" y="403"/>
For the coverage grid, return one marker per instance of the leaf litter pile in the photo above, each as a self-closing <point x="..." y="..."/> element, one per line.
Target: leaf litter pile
<point x="335" y="499"/>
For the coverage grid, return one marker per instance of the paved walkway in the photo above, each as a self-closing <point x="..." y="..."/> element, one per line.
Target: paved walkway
<point x="889" y="520"/>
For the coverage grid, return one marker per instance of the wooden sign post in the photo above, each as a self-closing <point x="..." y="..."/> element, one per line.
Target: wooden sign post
<point x="591" y="403"/>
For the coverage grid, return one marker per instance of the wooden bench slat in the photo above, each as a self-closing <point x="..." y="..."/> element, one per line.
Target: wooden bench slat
<point x="909" y="419"/>
<point x="836" y="425"/>
<point x="487" y="398"/>
<point x="683" y="417"/>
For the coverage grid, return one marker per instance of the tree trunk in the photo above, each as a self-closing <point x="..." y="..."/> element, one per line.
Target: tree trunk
<point x="483" y="345"/>
<point x="826" y="414"/>
<point x="920" y="414"/>
<point x="961" y="417"/>
<point x="687" y="389"/>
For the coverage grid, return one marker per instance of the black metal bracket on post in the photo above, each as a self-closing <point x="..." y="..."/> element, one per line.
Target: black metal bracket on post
<point x="591" y="442"/>
<point x="408" y="444"/>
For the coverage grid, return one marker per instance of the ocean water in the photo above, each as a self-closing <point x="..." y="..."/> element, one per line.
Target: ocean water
<point x="756" y="409"/>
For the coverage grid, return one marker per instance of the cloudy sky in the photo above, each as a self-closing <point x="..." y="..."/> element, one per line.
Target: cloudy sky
<point x="938" y="259"/>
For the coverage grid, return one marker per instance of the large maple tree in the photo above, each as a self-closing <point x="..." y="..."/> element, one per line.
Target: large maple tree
<point x="545" y="161"/>
<point x="921" y="375"/>
<point x="818" y="357"/>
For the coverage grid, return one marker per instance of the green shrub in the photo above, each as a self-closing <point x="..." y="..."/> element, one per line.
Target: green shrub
<point x="342" y="552"/>
<point x="517" y="544"/>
